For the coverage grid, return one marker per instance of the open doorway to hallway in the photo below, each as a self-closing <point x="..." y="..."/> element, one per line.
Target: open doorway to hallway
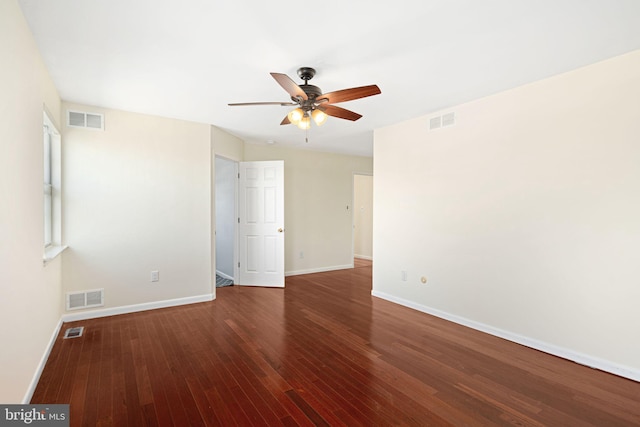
<point x="226" y="172"/>
<point x="362" y="218"/>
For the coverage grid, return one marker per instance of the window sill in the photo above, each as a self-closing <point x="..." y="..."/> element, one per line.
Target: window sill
<point x="51" y="252"/>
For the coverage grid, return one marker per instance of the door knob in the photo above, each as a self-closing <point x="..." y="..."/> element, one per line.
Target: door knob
<point x="280" y="230"/>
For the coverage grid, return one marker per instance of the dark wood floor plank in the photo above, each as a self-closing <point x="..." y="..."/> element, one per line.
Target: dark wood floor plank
<point x="322" y="351"/>
<point x="78" y="369"/>
<point x="207" y="413"/>
<point x="158" y="376"/>
<point x="171" y="378"/>
<point x="305" y="407"/>
<point x="220" y="406"/>
<point x="132" y="400"/>
<point x="296" y="415"/>
<point x="104" y="396"/>
<point x="91" y="401"/>
<point x="120" y="408"/>
<point x="261" y="399"/>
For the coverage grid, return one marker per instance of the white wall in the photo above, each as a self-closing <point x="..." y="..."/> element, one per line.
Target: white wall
<point x="29" y="292"/>
<point x="524" y="216"/>
<point x="138" y="198"/>
<point x="225" y="219"/>
<point x="363" y="216"/>
<point x="318" y="190"/>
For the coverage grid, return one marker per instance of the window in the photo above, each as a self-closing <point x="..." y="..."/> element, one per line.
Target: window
<point x="48" y="190"/>
<point x="52" y="189"/>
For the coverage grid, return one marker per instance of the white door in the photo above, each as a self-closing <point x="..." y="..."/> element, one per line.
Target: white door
<point x="261" y="220"/>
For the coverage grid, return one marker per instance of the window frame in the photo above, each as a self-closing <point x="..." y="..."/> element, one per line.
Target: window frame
<point x="52" y="189"/>
<point x="47" y="187"/>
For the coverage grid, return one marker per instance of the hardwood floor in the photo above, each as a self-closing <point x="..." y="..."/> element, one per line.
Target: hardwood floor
<point x="322" y="351"/>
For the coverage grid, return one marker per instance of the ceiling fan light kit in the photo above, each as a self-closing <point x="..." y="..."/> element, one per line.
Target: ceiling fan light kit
<point x="312" y="103"/>
<point x="301" y="119"/>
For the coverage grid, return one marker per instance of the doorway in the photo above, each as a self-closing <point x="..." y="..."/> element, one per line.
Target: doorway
<point x="249" y="223"/>
<point x="226" y="172"/>
<point x="362" y="217"/>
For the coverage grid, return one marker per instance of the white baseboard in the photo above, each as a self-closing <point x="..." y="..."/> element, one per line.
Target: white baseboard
<point x="317" y="270"/>
<point x="223" y="275"/>
<point x="367" y="257"/>
<point x="94" y="314"/>
<point x="43" y="361"/>
<point x="583" y="359"/>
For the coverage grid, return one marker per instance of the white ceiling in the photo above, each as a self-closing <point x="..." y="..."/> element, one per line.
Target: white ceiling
<point x="187" y="59"/>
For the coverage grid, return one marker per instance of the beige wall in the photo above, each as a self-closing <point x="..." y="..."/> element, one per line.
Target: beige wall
<point x="29" y="292"/>
<point x="524" y="216"/>
<point x="226" y="145"/>
<point x="318" y="211"/>
<point x="363" y="216"/>
<point x="137" y="198"/>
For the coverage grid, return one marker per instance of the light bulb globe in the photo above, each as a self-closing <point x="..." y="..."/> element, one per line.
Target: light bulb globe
<point x="304" y="123"/>
<point x="319" y="117"/>
<point x="295" y="116"/>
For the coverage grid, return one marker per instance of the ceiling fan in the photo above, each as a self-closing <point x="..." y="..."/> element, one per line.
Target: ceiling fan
<point x="312" y="103"/>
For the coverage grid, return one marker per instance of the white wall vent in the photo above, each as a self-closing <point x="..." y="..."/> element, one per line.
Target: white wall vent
<point x="435" y="122"/>
<point x="85" y="299"/>
<point x="445" y="120"/>
<point x="80" y="119"/>
<point x="448" y="119"/>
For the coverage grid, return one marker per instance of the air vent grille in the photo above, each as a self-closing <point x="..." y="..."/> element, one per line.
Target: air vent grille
<point x="94" y="121"/>
<point x="80" y="119"/>
<point x="85" y="299"/>
<point x="75" y="301"/>
<point x="76" y="119"/>
<point x="74" y="332"/>
<point x="442" y="121"/>
<point x="448" y="119"/>
<point x="435" y="122"/>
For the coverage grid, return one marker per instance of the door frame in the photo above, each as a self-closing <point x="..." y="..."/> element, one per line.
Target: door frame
<point x="353" y="212"/>
<point x="235" y="215"/>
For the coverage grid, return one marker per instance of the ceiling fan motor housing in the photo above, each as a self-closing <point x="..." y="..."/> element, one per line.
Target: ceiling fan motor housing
<point x="312" y="91"/>
<point x="306" y="73"/>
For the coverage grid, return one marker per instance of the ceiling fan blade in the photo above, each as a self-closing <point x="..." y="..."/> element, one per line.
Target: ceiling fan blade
<point x="340" y="112"/>
<point x="349" y="94"/>
<point x="289" y="85"/>
<point x="285" y="121"/>
<point x="237" y="104"/>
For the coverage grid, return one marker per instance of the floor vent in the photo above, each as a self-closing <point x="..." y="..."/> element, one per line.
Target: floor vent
<point x="74" y="332"/>
<point x="80" y="119"/>
<point x="85" y="299"/>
